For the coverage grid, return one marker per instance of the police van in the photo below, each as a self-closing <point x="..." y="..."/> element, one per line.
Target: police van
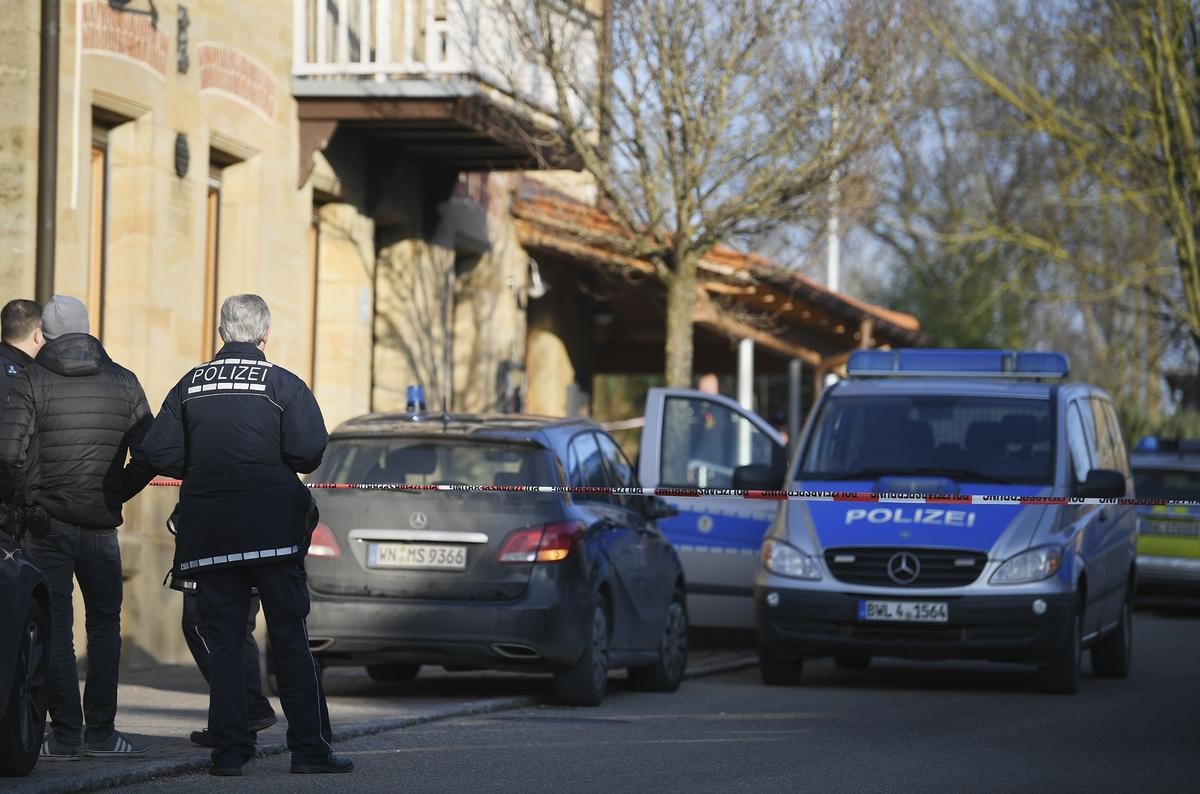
<point x="1032" y="583"/>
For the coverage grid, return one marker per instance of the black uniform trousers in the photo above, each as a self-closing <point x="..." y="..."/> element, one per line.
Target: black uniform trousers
<point x="223" y="596"/>
<point x="197" y="641"/>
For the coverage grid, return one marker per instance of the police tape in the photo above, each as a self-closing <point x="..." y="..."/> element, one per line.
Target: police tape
<point x="738" y="493"/>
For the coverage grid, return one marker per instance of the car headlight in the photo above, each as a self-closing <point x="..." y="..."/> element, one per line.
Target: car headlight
<point x="1029" y="566"/>
<point x="780" y="558"/>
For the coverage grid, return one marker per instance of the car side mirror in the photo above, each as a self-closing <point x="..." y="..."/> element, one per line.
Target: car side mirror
<point x="656" y="507"/>
<point x="757" y="477"/>
<point x="1102" y="484"/>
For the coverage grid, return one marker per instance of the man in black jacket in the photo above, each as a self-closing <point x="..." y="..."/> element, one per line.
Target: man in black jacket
<point x="20" y="340"/>
<point x="237" y="430"/>
<point x="71" y="418"/>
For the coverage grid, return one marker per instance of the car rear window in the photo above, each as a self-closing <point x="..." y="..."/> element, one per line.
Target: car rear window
<point x="1166" y="484"/>
<point x="395" y="461"/>
<point x="967" y="438"/>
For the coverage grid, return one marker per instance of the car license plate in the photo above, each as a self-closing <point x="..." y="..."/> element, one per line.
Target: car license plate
<point x="904" y="611"/>
<point x="417" y="555"/>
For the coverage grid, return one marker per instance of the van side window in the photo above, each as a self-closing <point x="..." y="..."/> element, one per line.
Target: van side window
<point x="1081" y="461"/>
<point x="1109" y="442"/>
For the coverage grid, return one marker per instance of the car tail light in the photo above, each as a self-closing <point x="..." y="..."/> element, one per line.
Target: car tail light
<point x="324" y="543"/>
<point x="547" y="543"/>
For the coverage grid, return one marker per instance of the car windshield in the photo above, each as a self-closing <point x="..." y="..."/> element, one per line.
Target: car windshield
<point x="402" y="461"/>
<point x="965" y="438"/>
<point x="1166" y="484"/>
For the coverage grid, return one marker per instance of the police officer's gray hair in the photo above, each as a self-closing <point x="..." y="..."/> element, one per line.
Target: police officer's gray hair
<point x="244" y="318"/>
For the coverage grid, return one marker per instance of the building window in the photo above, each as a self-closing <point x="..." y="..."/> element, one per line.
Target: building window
<point x="98" y="229"/>
<point x="212" y="239"/>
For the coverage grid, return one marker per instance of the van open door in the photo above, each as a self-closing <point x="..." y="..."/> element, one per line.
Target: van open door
<point x="696" y="439"/>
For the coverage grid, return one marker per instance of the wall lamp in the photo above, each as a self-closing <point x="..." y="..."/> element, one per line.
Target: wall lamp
<point x="123" y="5"/>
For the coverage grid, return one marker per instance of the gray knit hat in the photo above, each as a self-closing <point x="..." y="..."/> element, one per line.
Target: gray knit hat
<point x="64" y="315"/>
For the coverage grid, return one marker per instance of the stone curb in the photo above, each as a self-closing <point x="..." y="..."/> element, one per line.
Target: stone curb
<point x="173" y="768"/>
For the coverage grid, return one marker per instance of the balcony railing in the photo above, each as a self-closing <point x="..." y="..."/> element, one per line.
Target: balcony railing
<point x="384" y="39"/>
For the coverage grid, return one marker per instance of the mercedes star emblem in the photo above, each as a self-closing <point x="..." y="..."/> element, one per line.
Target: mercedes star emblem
<point x="903" y="567"/>
<point x="418" y="521"/>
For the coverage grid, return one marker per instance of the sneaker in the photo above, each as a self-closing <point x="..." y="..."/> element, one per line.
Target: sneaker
<point x="53" y="751"/>
<point x="206" y="739"/>
<point x="330" y="763"/>
<point x="117" y="744"/>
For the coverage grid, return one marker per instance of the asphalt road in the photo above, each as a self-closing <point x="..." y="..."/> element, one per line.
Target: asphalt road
<point x="896" y="726"/>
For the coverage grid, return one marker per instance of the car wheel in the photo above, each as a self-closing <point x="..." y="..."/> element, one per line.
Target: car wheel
<point x="666" y="674"/>
<point x="852" y="662"/>
<point x="24" y="721"/>
<point x="1112" y="656"/>
<point x="777" y="670"/>
<point x="1061" y="674"/>
<point x="585" y="683"/>
<point x="393" y="672"/>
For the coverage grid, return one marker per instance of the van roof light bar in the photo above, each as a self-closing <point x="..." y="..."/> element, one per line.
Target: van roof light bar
<point x="948" y="363"/>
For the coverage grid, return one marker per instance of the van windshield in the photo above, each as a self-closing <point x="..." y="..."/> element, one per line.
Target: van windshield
<point x="1166" y="483"/>
<point x="968" y="439"/>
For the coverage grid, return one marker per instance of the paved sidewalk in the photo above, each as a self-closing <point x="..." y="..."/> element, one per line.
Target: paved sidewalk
<point x="161" y="707"/>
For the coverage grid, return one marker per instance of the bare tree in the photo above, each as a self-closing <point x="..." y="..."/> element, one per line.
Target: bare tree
<point x="706" y="122"/>
<point x="1116" y="94"/>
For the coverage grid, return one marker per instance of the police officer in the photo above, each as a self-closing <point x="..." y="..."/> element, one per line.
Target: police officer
<point x="20" y="340"/>
<point x="237" y="430"/>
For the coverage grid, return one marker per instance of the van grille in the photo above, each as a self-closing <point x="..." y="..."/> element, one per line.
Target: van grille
<point x="935" y="567"/>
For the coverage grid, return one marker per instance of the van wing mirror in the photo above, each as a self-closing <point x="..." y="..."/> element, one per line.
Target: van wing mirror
<point x="1102" y="484"/>
<point x="757" y="477"/>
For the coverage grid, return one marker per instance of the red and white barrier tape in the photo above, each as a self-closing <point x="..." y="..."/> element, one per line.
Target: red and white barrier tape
<point x="735" y="493"/>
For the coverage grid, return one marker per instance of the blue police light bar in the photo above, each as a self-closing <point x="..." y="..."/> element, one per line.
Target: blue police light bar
<point x="1147" y="444"/>
<point x="945" y="363"/>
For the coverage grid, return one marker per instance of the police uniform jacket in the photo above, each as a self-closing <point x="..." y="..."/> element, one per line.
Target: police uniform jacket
<point x="70" y="419"/>
<point x="237" y="430"/>
<point x="12" y="361"/>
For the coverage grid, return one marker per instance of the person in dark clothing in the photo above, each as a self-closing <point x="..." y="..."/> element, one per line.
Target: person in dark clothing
<point x="72" y="418"/>
<point x="237" y="430"/>
<point x="20" y="340"/>
<point x="261" y="715"/>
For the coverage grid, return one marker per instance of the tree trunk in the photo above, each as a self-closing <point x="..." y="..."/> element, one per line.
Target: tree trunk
<point x="681" y="295"/>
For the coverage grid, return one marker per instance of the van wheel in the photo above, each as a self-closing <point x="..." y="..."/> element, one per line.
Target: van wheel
<point x="585" y="683"/>
<point x="779" y="671"/>
<point x="1061" y="674"/>
<point x="1112" y="656"/>
<point x="24" y="721"/>
<point x="666" y="674"/>
<point x="852" y="662"/>
<point x="393" y="672"/>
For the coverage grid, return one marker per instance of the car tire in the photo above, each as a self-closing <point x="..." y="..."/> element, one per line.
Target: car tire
<point x="1061" y="674"/>
<point x="666" y="674"/>
<point x="393" y="672"/>
<point x="1112" y="656"/>
<point x="585" y="683"/>
<point x="852" y="662"/>
<point x="24" y="722"/>
<point x="777" y="670"/>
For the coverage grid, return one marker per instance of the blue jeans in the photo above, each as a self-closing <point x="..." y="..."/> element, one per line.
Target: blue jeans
<point x="92" y="557"/>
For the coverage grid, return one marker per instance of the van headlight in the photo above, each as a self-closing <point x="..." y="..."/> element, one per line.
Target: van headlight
<point x="780" y="558"/>
<point x="1033" y="565"/>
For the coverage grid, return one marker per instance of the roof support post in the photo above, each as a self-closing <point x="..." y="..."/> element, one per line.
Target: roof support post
<point x="793" y="404"/>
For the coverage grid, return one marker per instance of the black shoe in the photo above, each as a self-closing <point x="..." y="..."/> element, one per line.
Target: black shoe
<point x="206" y="739"/>
<point x="225" y="771"/>
<point x="331" y="763"/>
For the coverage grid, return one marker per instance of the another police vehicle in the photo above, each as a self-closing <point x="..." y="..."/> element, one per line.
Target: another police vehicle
<point x="1168" y="535"/>
<point x="1018" y="583"/>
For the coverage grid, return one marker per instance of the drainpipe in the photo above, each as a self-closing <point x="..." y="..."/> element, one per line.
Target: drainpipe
<point x="47" y="152"/>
